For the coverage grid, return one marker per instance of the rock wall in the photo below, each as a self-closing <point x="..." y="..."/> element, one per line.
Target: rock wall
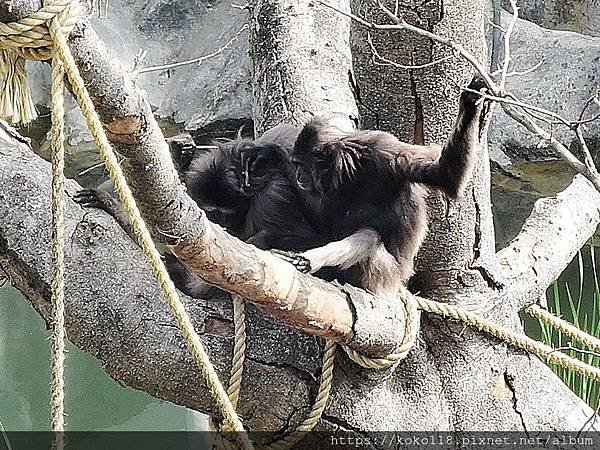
<point x="582" y="16"/>
<point x="195" y="96"/>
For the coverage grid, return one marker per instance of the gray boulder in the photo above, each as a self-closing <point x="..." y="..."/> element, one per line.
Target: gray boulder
<point x="582" y="16"/>
<point x="196" y="95"/>
<point x="567" y="77"/>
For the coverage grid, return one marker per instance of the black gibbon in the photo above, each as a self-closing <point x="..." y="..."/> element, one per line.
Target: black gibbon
<point x="349" y="200"/>
<point x="364" y="191"/>
<point x="242" y="186"/>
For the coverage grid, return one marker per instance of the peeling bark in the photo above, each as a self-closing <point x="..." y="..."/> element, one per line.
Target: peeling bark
<point x="455" y="379"/>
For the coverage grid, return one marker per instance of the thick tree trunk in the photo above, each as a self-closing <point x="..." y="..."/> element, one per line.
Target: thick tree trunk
<point x="454" y="380"/>
<point x="291" y="35"/>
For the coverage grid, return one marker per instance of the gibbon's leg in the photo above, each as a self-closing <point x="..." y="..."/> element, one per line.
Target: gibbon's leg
<point x="381" y="273"/>
<point x="343" y="254"/>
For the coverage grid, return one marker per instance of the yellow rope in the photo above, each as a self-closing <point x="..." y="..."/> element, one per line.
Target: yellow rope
<point x="57" y="387"/>
<point x="591" y="342"/>
<point x="235" y="378"/>
<point x="65" y="58"/>
<point x="232" y="421"/>
<point x="318" y="407"/>
<point x="29" y="38"/>
<point x="516" y="340"/>
<point x="239" y="349"/>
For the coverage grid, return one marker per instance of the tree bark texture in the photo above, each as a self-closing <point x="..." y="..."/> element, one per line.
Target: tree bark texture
<point x="288" y="35"/>
<point x="455" y="379"/>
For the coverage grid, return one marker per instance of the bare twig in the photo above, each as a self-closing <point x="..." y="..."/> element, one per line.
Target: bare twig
<point x="569" y="347"/>
<point x="401" y="24"/>
<point x="593" y="99"/>
<point x="509" y="30"/>
<point x="517" y="113"/>
<point x="383" y="61"/>
<point x="526" y="71"/>
<point x="89" y="169"/>
<point x="587" y="156"/>
<point x="496" y="26"/>
<point x="195" y="60"/>
<point x="525" y="106"/>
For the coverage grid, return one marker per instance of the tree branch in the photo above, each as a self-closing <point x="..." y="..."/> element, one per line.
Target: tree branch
<point x="299" y="300"/>
<point x="550" y="238"/>
<point x="114" y="306"/>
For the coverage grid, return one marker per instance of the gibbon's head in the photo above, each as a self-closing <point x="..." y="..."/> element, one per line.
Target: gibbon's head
<point x="258" y="165"/>
<point x="320" y="157"/>
<point x="230" y="167"/>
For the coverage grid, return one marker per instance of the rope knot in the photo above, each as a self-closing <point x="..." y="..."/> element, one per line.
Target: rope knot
<point x="30" y="38"/>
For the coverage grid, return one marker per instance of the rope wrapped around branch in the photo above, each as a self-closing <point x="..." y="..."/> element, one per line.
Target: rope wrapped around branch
<point x="29" y="38"/>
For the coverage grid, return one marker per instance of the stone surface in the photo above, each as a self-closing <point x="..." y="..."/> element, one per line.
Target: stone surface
<point x="567" y="77"/>
<point x="193" y="96"/>
<point x="582" y="16"/>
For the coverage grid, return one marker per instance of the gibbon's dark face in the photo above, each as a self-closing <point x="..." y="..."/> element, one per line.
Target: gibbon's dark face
<point x="314" y="170"/>
<point x="314" y="162"/>
<point x="259" y="164"/>
<point x="233" y="173"/>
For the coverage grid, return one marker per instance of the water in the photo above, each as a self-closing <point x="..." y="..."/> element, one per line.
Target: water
<point x="94" y="402"/>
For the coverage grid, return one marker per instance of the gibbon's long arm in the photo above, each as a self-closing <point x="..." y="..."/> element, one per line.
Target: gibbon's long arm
<point x="452" y="170"/>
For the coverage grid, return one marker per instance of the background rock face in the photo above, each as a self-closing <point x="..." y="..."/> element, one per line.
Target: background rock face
<point x="197" y="95"/>
<point x="568" y="74"/>
<point x="582" y="16"/>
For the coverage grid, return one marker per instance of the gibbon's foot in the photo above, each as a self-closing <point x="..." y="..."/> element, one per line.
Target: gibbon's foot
<point x="94" y="198"/>
<point x="301" y="263"/>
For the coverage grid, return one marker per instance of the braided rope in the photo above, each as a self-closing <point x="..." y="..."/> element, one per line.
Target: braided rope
<point x="32" y="31"/>
<point x="29" y="38"/>
<point x="237" y="367"/>
<point x="57" y="384"/>
<point x="239" y="349"/>
<point x="318" y="407"/>
<point x="591" y="342"/>
<point x="411" y="331"/>
<point x="235" y="378"/>
<point x="544" y="351"/>
<point x="28" y="33"/>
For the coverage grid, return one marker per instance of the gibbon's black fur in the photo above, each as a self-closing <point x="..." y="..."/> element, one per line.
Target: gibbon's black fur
<point x="349" y="200"/>
<point x="363" y="190"/>
<point x="241" y="185"/>
<point x="244" y="187"/>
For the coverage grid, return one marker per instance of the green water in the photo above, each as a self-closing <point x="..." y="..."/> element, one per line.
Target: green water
<point x="94" y="401"/>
